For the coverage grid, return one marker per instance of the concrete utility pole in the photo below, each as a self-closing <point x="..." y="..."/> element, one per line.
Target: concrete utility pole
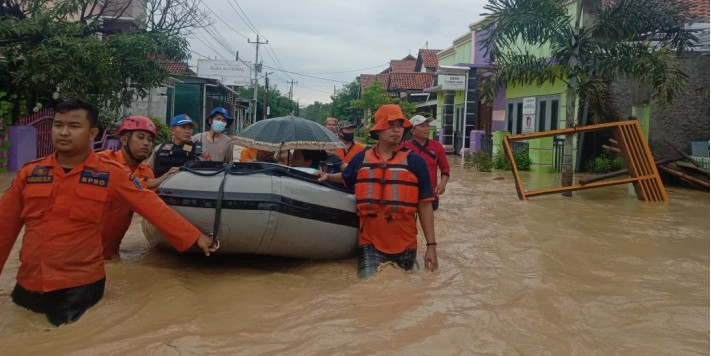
<point x="291" y="93"/>
<point x="257" y="69"/>
<point x="266" y="93"/>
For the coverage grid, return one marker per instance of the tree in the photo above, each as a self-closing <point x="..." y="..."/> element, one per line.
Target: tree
<point x="374" y="96"/>
<point x="341" y="107"/>
<point x="623" y="39"/>
<point x="48" y="58"/>
<point x="175" y="16"/>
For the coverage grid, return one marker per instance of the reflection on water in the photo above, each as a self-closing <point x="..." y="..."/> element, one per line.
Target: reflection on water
<point x="599" y="273"/>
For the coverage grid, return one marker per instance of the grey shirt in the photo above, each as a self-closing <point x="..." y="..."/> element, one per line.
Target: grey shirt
<point x="220" y="150"/>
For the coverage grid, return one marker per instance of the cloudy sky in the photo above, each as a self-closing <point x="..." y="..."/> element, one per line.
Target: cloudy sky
<point x="320" y="43"/>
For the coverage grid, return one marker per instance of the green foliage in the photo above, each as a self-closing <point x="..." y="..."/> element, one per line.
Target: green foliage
<point x="362" y="135"/>
<point x="603" y="163"/>
<point x="523" y="162"/>
<point x="627" y="39"/>
<point x="48" y="58"/>
<point x="6" y="120"/>
<point x="480" y="159"/>
<point x="162" y="129"/>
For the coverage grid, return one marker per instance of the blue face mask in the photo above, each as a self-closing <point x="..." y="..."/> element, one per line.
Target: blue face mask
<point x="348" y="136"/>
<point x="219" y="126"/>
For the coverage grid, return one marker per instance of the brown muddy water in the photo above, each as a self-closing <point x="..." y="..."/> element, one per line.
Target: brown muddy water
<point x="600" y="273"/>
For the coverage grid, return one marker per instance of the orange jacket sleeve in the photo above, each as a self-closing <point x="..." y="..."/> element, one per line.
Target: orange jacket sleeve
<point x="176" y="230"/>
<point x="10" y="209"/>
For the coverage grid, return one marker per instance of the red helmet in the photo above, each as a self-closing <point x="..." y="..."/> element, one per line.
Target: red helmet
<point x="133" y="123"/>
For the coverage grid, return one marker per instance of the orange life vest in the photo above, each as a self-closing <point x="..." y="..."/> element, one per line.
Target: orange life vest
<point x="386" y="188"/>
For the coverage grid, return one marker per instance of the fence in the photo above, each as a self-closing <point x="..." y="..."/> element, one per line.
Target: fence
<point x="487" y="144"/>
<point x="42" y="121"/>
<point x="558" y="144"/>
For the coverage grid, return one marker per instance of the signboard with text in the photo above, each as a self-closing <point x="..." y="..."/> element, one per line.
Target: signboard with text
<point x="452" y="82"/>
<point x="227" y="72"/>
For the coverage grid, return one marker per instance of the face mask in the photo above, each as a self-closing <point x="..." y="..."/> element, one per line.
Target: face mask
<point x="348" y="136"/>
<point x="218" y="126"/>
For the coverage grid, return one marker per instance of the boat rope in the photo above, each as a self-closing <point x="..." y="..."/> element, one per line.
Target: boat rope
<point x="218" y="205"/>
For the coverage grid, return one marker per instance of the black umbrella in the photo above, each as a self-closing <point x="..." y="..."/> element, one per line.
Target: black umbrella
<point x="287" y="133"/>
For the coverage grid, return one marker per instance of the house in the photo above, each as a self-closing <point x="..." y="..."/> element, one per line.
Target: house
<point x="686" y="120"/>
<point x="406" y="78"/>
<point x="461" y="68"/>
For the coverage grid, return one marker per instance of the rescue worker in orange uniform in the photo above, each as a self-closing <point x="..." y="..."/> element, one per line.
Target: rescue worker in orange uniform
<point x="137" y="134"/>
<point x="392" y="189"/>
<point x="61" y="200"/>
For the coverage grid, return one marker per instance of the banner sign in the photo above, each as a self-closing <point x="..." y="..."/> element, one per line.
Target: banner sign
<point x="227" y="72"/>
<point x="452" y="82"/>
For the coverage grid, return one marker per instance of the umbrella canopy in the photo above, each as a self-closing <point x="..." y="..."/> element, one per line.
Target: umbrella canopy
<point x="287" y="133"/>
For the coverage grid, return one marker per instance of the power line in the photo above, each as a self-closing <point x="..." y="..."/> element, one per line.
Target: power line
<point x="246" y="18"/>
<point x="306" y="75"/>
<point x="354" y="70"/>
<point x="223" y="21"/>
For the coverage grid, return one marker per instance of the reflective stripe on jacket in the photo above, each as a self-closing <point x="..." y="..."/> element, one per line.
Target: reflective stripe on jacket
<point x="386" y="188"/>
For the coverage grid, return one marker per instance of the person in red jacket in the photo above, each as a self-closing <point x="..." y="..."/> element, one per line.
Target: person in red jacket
<point x="137" y="134"/>
<point x="432" y="152"/>
<point x="392" y="189"/>
<point x="61" y="200"/>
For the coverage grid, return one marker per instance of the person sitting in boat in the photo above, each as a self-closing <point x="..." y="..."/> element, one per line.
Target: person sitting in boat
<point x="254" y="155"/>
<point x="61" y="201"/>
<point x="179" y="150"/>
<point x="392" y="189"/>
<point x="214" y="141"/>
<point x="307" y="160"/>
<point x="137" y="134"/>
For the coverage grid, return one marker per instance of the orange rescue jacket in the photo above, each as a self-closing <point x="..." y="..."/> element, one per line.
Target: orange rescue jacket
<point x="62" y="214"/>
<point x="117" y="217"/>
<point x="386" y="201"/>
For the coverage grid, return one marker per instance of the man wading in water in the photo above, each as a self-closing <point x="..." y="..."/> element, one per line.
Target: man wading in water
<point x="392" y="188"/>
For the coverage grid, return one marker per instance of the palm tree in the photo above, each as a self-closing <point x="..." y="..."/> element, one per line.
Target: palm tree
<point x="606" y="40"/>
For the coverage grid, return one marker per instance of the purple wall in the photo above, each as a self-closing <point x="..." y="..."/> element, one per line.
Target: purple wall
<point x="480" y="54"/>
<point x="500" y="100"/>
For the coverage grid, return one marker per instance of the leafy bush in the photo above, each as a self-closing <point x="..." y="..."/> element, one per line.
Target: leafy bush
<point x="604" y="164"/>
<point x="480" y="159"/>
<point x="523" y="162"/>
<point x="162" y="129"/>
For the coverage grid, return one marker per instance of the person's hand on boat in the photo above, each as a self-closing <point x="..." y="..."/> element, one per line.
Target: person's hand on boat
<point x="322" y="176"/>
<point x="431" y="263"/>
<point x="206" y="244"/>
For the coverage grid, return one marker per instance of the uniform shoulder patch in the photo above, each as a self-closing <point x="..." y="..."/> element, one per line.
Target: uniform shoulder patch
<point x="135" y="181"/>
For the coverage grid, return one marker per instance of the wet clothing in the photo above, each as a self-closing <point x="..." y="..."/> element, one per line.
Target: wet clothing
<point x="389" y="232"/>
<point x="347" y="153"/>
<point x="370" y="259"/>
<point x="220" y="150"/>
<point x="168" y="155"/>
<point x="434" y="155"/>
<point x="62" y="306"/>
<point x="63" y="213"/>
<point x="117" y="217"/>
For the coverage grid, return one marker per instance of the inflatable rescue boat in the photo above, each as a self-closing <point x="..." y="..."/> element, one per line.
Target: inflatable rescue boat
<point x="262" y="208"/>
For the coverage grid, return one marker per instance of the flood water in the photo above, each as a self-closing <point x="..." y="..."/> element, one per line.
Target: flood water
<point x="600" y="273"/>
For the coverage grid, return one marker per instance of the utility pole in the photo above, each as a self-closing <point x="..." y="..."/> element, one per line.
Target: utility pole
<point x="266" y="93"/>
<point x="257" y="69"/>
<point x="291" y="93"/>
